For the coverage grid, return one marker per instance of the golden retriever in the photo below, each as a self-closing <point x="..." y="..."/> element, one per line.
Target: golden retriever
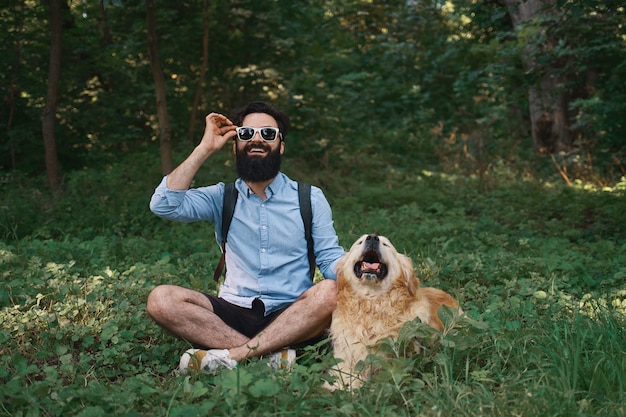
<point x="378" y="292"/>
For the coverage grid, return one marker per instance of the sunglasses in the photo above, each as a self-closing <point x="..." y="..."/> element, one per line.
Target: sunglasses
<point x="268" y="134"/>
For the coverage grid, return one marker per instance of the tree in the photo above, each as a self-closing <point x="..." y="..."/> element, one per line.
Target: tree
<point x="357" y="77"/>
<point x="50" y="109"/>
<point x="546" y="98"/>
<point x="165" y="131"/>
<point x="206" y="15"/>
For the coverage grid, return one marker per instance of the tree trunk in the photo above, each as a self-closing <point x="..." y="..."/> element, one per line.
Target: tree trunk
<point x="547" y="103"/>
<point x="203" y="70"/>
<point x="105" y="29"/>
<point x="165" y="131"/>
<point x="50" y="109"/>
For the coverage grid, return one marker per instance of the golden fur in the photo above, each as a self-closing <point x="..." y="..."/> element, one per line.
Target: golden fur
<point x="376" y="304"/>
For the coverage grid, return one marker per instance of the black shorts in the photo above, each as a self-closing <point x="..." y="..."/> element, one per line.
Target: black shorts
<point x="247" y="321"/>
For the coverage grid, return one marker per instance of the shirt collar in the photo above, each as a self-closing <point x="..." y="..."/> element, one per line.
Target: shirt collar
<point x="272" y="188"/>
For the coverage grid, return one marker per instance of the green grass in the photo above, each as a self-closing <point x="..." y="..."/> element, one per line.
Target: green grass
<point x="540" y="270"/>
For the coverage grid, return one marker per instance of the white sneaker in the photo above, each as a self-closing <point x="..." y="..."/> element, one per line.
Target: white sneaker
<point x="207" y="361"/>
<point x="283" y="359"/>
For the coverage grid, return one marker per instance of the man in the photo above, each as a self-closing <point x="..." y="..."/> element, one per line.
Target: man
<point x="267" y="301"/>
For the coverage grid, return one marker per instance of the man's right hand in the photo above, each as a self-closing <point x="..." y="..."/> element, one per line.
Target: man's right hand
<point x="218" y="130"/>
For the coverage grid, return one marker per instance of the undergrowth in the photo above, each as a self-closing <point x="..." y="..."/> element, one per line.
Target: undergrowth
<point x="539" y="269"/>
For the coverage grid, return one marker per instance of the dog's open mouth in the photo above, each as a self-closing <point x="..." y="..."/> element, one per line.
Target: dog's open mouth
<point x="370" y="267"/>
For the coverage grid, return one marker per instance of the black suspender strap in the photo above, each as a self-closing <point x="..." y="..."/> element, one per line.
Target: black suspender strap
<point x="228" y="209"/>
<point x="304" y="198"/>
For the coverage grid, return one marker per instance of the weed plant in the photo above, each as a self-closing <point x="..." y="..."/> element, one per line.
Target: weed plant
<point x="539" y="268"/>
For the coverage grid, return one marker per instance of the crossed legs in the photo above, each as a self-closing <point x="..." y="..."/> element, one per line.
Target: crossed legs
<point x="188" y="314"/>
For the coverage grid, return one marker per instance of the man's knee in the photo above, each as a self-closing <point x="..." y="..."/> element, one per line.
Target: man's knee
<point x="324" y="294"/>
<point x="157" y="301"/>
<point x="329" y="287"/>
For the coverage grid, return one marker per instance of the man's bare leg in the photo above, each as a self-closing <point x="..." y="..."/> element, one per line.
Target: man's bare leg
<point x="305" y="319"/>
<point x="188" y="314"/>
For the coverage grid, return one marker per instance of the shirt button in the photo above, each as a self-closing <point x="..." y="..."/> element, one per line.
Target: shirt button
<point x="264" y="227"/>
<point x="263" y="250"/>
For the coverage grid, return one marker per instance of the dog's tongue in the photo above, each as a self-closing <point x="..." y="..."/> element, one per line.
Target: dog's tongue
<point x="370" y="266"/>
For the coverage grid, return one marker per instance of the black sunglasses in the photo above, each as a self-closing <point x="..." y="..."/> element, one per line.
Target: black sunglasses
<point x="268" y="134"/>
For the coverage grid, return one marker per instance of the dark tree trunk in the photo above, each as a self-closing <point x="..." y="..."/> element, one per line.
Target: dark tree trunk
<point x="547" y="103"/>
<point x="49" y="113"/>
<point x="203" y="70"/>
<point x="105" y="29"/>
<point x="165" y="131"/>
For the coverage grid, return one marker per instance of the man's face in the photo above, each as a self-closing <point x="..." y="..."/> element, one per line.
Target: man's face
<point x="258" y="160"/>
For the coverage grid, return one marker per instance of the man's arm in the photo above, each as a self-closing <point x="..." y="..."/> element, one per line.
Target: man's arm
<point x="217" y="132"/>
<point x="325" y="240"/>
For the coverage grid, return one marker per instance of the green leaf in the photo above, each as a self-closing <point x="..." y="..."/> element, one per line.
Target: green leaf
<point x="195" y="390"/>
<point x="109" y="332"/>
<point x="265" y="388"/>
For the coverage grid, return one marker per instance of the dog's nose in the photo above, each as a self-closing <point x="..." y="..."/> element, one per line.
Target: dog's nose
<point x="371" y="241"/>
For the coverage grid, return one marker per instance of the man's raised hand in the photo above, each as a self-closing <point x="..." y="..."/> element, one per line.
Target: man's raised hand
<point x="218" y="130"/>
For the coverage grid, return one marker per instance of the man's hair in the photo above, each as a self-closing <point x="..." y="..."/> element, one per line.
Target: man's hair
<point x="262" y="107"/>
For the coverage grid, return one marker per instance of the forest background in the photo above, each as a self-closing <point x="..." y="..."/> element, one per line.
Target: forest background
<point x="485" y="138"/>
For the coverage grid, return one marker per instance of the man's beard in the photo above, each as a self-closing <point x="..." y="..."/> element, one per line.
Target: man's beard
<point x="257" y="168"/>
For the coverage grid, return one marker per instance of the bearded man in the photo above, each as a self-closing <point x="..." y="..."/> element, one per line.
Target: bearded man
<point x="268" y="301"/>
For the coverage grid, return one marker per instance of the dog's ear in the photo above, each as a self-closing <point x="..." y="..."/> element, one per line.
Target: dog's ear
<point x="410" y="279"/>
<point x="341" y="279"/>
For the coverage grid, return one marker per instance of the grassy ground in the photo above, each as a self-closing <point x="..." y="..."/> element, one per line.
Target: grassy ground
<point x="539" y="268"/>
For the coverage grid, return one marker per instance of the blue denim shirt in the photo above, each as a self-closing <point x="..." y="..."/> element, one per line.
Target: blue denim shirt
<point x="266" y="250"/>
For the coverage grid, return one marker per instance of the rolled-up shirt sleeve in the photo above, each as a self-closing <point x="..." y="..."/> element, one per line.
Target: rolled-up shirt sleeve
<point x="191" y="205"/>
<point x="326" y="243"/>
